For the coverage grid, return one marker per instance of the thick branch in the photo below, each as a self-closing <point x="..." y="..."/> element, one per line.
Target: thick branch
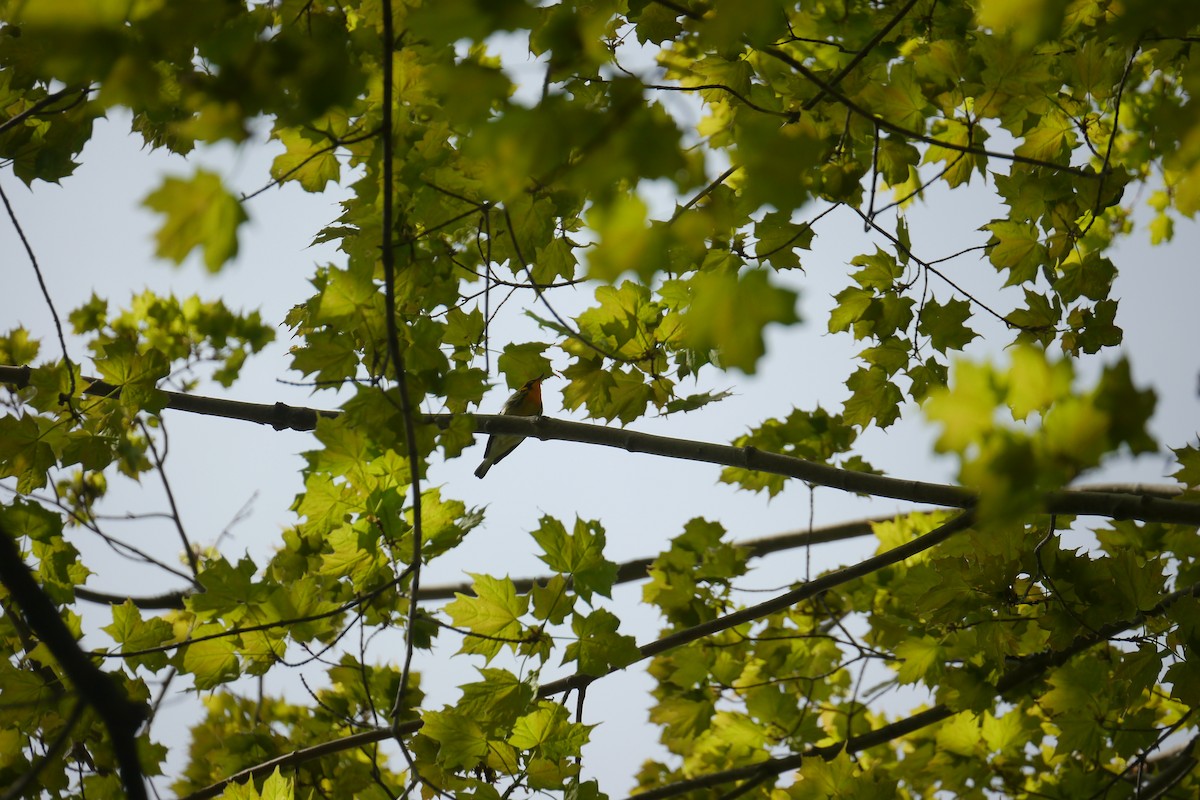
<point x="861" y="54"/>
<point x="1115" y="505"/>
<point x="120" y="716"/>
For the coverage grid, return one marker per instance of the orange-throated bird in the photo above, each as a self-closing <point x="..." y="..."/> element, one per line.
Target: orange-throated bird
<point x="524" y="402"/>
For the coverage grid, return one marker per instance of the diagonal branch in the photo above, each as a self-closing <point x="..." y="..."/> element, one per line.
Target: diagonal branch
<point x="120" y="715"/>
<point x="866" y="114"/>
<point x="1019" y="677"/>
<point x="42" y="104"/>
<point x="361" y="739"/>
<point x="653" y="648"/>
<point x="786" y="600"/>
<point x="861" y="54"/>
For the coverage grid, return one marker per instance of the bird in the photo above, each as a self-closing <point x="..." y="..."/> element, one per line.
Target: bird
<point x="524" y="402"/>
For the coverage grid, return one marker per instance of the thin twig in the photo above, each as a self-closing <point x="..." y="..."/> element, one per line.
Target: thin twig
<point x="159" y="462"/>
<point x="861" y="54"/>
<point x="1112" y="137"/>
<point x="40" y="105"/>
<point x="894" y="128"/>
<point x="37" y="270"/>
<point x="265" y="626"/>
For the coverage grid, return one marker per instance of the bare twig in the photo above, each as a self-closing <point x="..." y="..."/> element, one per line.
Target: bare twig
<point x="37" y="271"/>
<point x="159" y="462"/>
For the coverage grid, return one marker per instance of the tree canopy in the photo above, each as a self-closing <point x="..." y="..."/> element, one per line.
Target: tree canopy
<point x="673" y="163"/>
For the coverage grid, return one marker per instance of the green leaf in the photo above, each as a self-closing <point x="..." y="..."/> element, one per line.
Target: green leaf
<point x="1027" y="23"/>
<point x="495" y="611"/>
<point x="729" y="313"/>
<point x="132" y="633"/>
<point x="779" y="239"/>
<point x="921" y="660"/>
<point x="1016" y="247"/>
<point x="965" y="409"/>
<point x="137" y="373"/>
<point x="497" y="700"/>
<point x="312" y="164"/>
<point x="18" y="348"/>
<point x="1129" y="408"/>
<point x="524" y="362"/>
<point x="462" y="744"/>
<point x="548" y="730"/>
<point x="23" y="452"/>
<point x="1189" y="466"/>
<point x="1034" y="383"/>
<point x="553" y="601"/>
<point x="874" y="399"/>
<point x="600" y="649"/>
<point x="275" y="787"/>
<point x="213" y="661"/>
<point x="579" y="554"/>
<point x="945" y="325"/>
<point x="627" y="240"/>
<point x="200" y="213"/>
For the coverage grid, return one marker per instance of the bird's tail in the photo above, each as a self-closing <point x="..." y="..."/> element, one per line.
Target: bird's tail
<point x="483" y="468"/>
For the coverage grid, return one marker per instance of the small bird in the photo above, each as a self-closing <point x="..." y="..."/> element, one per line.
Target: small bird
<point x="524" y="402"/>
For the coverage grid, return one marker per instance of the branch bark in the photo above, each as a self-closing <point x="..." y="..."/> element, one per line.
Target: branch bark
<point x="1115" y="505"/>
<point x="120" y="715"/>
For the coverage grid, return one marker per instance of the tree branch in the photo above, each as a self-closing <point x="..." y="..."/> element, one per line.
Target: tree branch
<point x="41" y="105"/>
<point x="855" y="108"/>
<point x="787" y="599"/>
<point x="861" y="54"/>
<point x="1115" y="505"/>
<point x="1029" y="670"/>
<point x="303" y="755"/>
<point x="120" y="715"/>
<point x="653" y="648"/>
